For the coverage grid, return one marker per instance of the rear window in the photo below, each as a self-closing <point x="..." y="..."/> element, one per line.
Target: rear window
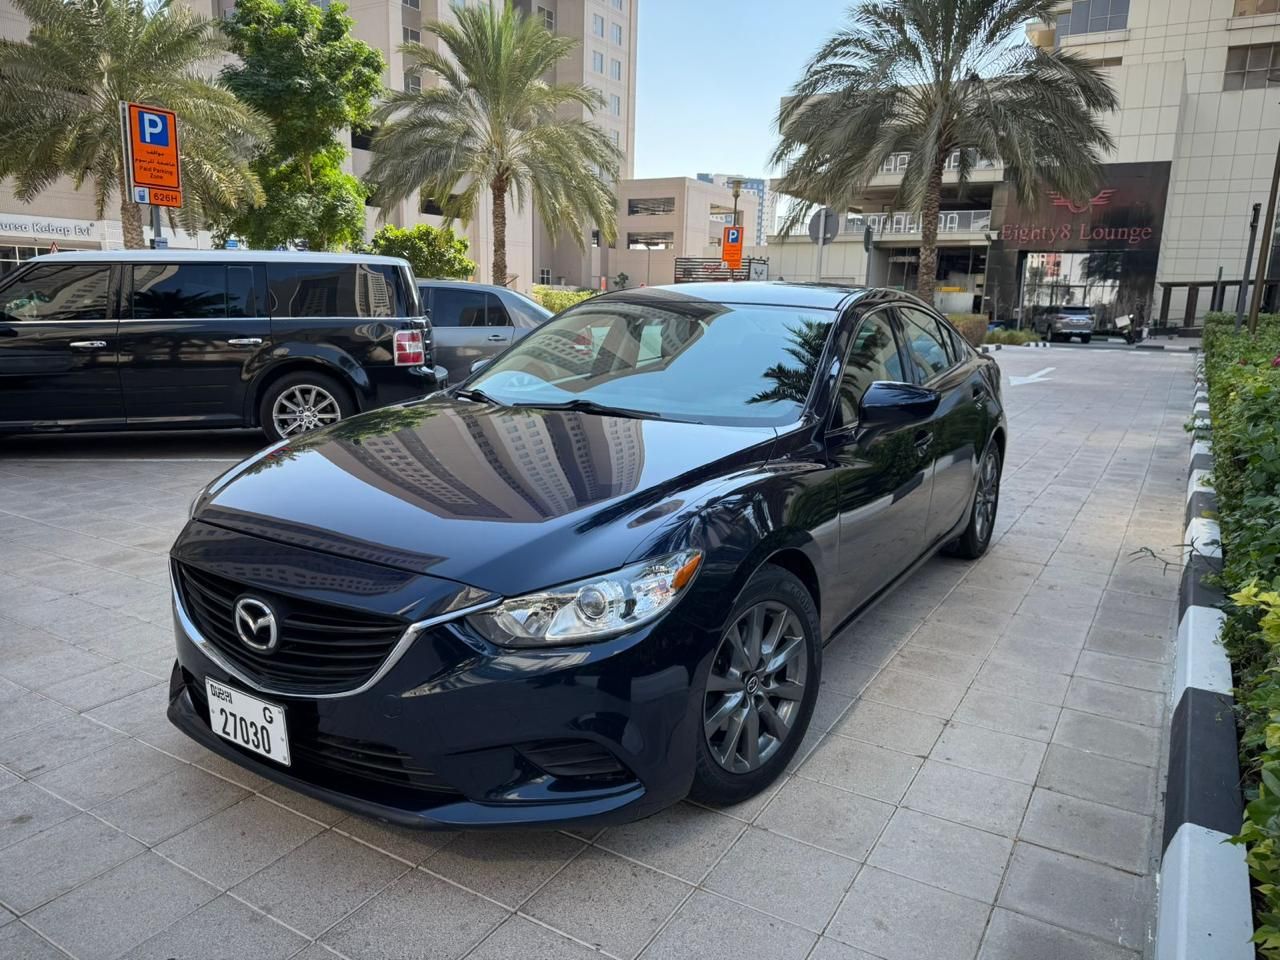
<point x="328" y="289"/>
<point x="1073" y="311"/>
<point x="460" y="307"/>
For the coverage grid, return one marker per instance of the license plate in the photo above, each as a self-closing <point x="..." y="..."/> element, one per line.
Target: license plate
<point x="247" y="721"/>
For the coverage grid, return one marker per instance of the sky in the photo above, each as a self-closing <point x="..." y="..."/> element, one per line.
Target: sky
<point x="710" y="74"/>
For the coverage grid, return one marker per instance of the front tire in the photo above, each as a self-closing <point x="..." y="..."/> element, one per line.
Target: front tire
<point x="300" y="402"/>
<point x="758" y="689"/>
<point x="973" y="543"/>
<point x="1086" y="338"/>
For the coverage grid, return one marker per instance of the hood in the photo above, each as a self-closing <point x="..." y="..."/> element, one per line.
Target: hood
<point x="497" y="498"/>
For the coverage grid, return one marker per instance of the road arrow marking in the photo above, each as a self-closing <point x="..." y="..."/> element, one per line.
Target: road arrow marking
<point x="1038" y="377"/>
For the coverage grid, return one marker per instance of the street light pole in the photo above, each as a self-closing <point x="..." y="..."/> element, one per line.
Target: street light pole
<point x="736" y="183"/>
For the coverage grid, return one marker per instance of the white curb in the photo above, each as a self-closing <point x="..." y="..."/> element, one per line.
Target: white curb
<point x="1205" y="908"/>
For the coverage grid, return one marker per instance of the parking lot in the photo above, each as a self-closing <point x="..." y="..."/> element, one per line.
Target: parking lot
<point x="982" y="779"/>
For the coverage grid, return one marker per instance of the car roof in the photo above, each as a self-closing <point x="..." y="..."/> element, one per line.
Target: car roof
<point x="464" y="284"/>
<point x="828" y="296"/>
<point x="190" y="256"/>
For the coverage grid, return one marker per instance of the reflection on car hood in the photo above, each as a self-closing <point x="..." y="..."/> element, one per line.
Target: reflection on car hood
<point x="482" y="494"/>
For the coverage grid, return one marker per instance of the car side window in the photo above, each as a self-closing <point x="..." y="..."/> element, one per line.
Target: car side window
<point x="330" y="289"/>
<point x="452" y="307"/>
<point x="497" y="312"/>
<point x="242" y="292"/>
<point x="52" y="292"/>
<point x="873" y="356"/>
<point x="179" y="291"/>
<point x="927" y="345"/>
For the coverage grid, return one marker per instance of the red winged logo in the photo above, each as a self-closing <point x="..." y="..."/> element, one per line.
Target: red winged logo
<point x="1100" y="199"/>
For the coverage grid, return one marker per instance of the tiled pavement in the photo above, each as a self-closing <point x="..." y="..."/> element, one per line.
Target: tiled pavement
<point x="982" y="780"/>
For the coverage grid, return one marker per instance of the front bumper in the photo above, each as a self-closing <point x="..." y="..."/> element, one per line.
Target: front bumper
<point x="469" y="732"/>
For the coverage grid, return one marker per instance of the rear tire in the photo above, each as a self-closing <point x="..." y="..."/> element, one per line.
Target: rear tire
<point x="1086" y="338"/>
<point x="973" y="543"/>
<point x="300" y="402"/>
<point x="747" y="686"/>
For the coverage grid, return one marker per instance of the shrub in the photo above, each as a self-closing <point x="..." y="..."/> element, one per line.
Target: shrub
<point x="434" y="253"/>
<point x="972" y="326"/>
<point x="1010" y="337"/>
<point x="556" y="300"/>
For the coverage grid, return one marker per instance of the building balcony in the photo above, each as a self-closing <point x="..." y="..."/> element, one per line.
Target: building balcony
<point x="902" y="225"/>
<point x="892" y="170"/>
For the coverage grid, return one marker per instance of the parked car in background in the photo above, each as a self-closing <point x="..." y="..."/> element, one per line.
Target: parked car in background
<point x="165" y="339"/>
<point x="596" y="577"/>
<point x="1064" y="322"/>
<point x="474" y="321"/>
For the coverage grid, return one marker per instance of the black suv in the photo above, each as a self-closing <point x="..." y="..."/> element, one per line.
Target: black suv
<point x="167" y="339"/>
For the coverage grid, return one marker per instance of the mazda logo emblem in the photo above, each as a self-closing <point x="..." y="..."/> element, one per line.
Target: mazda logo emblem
<point x="256" y="625"/>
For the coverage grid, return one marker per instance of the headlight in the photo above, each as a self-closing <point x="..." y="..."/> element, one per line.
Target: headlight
<point x="590" y="609"/>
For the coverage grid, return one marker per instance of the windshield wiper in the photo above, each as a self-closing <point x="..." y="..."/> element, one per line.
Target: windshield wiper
<point x="476" y="395"/>
<point x="582" y="405"/>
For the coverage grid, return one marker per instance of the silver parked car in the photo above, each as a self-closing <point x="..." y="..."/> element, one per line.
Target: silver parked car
<point x="475" y="321"/>
<point x="1065" y="321"/>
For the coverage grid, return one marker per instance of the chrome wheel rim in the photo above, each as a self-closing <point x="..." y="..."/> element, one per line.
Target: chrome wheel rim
<point x="984" y="508"/>
<point x="304" y="407"/>
<point x="755" y="687"/>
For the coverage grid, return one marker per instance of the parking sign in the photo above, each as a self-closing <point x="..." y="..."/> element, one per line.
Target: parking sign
<point x="732" y="247"/>
<point x="151" y="145"/>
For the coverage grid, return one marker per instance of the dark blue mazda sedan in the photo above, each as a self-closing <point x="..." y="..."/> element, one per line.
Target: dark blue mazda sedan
<point x="597" y="576"/>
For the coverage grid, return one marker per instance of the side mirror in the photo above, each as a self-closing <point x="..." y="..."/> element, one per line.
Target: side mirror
<point x="479" y="364"/>
<point x="889" y="404"/>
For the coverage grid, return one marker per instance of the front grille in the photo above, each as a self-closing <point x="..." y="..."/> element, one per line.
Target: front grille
<point x="322" y="648"/>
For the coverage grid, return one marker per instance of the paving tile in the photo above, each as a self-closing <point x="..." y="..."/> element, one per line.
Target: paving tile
<point x="609" y="902"/>
<point x="1109" y="738"/>
<point x="167" y="806"/>
<point x="505" y="866"/>
<point x="50" y="863"/>
<point x="1117" y="702"/>
<point x="1081" y="895"/>
<point x="826" y="817"/>
<point x="413" y="846"/>
<point x="109" y="772"/>
<point x="989" y="751"/>
<point x="20" y="942"/>
<point x="886" y="726"/>
<point x="25" y="810"/>
<point x="53" y="744"/>
<point x="101" y="686"/>
<point x="419" y="917"/>
<point x="1127" y="671"/>
<point x="223" y="929"/>
<point x="961" y="859"/>
<point x="25" y="710"/>
<point x="1041" y="686"/>
<point x="998" y="711"/>
<point x="938" y="664"/>
<point x="521" y="938"/>
<point x="862" y="768"/>
<point x="910" y="691"/>
<point x="1090" y="776"/>
<point x="307" y="806"/>
<point x="1157" y="647"/>
<point x="1028" y="626"/>
<point x="1035" y="655"/>
<point x="239" y="841"/>
<point x="711" y="928"/>
<point x="829" y="949"/>
<point x="846" y="677"/>
<point x="968" y="797"/>
<point x="805" y="884"/>
<point x="150" y="892"/>
<point x="683" y="839"/>
<point x="56" y="662"/>
<point x="316" y="885"/>
<point x="954" y="638"/>
<point x="135" y="713"/>
<point x="1011" y="936"/>
<point x="1087" y="829"/>
<point x="902" y="919"/>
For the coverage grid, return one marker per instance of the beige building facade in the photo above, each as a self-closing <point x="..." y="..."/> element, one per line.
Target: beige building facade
<point x="604" y="58"/>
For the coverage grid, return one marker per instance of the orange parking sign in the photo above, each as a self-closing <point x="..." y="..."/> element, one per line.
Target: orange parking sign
<point x="151" y="136"/>
<point x="732" y="247"/>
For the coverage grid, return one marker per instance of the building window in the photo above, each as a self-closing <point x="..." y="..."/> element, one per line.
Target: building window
<point x="544" y="276"/>
<point x="615" y="31"/>
<point x="362" y="138"/>
<point x="1247" y="67"/>
<point x="616" y="137"/>
<point x="597" y="61"/>
<point x="615" y="104"/>
<point x="414" y="4"/>
<point x="595" y="238"/>
<point x="615" y="68"/>
<point x="651" y="241"/>
<point x="548" y="17"/>
<point x="412" y="83"/>
<point x="1093" y="16"/>
<point x="411" y="35"/>
<point x="650" y="206"/>
<point x="597" y="24"/>
<point x="617" y="4"/>
<point x="1111" y="61"/>
<point x="1252" y="8"/>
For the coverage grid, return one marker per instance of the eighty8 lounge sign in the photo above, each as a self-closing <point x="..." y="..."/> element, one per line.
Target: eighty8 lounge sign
<point x="1125" y="213"/>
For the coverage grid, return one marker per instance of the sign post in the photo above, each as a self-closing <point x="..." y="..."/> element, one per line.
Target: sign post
<point x="151" y="157"/>
<point x="732" y="248"/>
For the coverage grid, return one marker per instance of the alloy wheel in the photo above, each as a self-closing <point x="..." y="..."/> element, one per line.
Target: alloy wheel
<point x="304" y="407"/>
<point x="755" y="686"/>
<point x="984" y="508"/>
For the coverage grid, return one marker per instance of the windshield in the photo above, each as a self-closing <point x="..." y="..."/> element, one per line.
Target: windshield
<point x="682" y="359"/>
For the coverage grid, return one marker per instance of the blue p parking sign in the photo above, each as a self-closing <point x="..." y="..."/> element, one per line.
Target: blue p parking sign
<point x="153" y="128"/>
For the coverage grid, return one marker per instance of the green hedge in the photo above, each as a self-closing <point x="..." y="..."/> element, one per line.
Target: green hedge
<point x="1011" y="337"/>
<point x="1244" y="397"/>
<point x="556" y="300"/>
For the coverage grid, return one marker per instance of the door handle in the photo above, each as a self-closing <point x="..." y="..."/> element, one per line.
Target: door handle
<point x="497" y="337"/>
<point x="246" y="342"/>
<point x="88" y="344"/>
<point x="923" y="440"/>
<point x="979" y="395"/>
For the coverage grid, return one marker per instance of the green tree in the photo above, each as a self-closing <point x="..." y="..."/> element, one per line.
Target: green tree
<point x="493" y="123"/>
<point x="60" y="92"/>
<point x="930" y="78"/>
<point x="300" y="66"/>
<point x="433" y="252"/>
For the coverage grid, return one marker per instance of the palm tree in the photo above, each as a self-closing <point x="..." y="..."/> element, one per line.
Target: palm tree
<point x="929" y="78"/>
<point x="495" y="124"/>
<point x="60" y="94"/>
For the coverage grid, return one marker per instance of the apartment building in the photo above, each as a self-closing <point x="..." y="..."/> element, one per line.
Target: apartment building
<point x="1196" y="137"/>
<point x="766" y="199"/>
<point x="604" y="58"/>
